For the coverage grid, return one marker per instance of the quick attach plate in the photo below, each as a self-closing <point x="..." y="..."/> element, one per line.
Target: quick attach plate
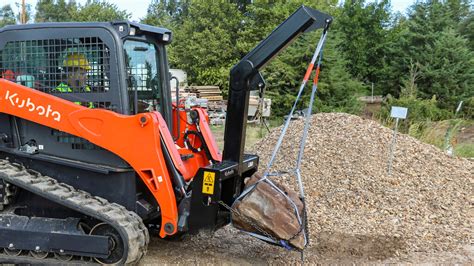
<point x="214" y="183"/>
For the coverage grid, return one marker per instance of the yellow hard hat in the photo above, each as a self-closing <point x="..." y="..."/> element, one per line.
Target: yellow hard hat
<point x="76" y="60"/>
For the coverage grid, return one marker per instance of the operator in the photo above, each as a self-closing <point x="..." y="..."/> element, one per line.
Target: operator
<point x="76" y="66"/>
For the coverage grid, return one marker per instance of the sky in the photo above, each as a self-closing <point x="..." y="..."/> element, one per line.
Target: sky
<point x="138" y="8"/>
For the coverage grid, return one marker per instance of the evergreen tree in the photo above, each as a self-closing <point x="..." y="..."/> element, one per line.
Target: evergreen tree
<point x="55" y="10"/>
<point x="449" y="71"/>
<point x="96" y="10"/>
<point x="204" y="43"/>
<point x="7" y="16"/>
<point x="338" y="89"/>
<point x="393" y="74"/>
<point x="365" y="28"/>
<point x="429" y="38"/>
<point x="466" y="28"/>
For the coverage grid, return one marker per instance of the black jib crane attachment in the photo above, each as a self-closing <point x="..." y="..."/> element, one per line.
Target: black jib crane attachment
<point x="245" y="76"/>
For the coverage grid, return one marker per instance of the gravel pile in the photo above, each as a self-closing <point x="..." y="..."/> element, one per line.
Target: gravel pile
<point x="356" y="209"/>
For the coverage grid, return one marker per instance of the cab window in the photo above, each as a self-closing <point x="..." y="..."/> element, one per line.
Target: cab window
<point x="143" y="76"/>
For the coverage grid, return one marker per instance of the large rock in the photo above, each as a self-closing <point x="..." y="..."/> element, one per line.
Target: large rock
<point x="271" y="211"/>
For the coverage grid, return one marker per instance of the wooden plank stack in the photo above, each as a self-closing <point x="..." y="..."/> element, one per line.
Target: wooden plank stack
<point x="211" y="93"/>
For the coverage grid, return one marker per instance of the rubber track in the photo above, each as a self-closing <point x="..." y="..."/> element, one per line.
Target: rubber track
<point x="127" y="223"/>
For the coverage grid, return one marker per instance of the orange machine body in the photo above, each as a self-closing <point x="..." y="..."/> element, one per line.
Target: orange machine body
<point x="182" y="126"/>
<point x="109" y="130"/>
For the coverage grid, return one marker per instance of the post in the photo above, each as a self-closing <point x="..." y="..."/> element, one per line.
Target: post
<point x="23" y="12"/>
<point x="447" y="138"/>
<point x="392" y="147"/>
<point x="458" y="109"/>
<point x="397" y="113"/>
<point x="372" y="92"/>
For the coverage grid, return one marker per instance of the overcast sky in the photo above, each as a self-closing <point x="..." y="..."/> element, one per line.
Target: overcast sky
<point x="138" y="7"/>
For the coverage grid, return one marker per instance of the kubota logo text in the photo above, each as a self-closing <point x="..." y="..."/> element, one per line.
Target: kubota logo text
<point x="27" y="104"/>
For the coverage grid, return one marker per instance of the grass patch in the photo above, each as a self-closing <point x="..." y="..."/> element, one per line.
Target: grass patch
<point x="254" y="133"/>
<point x="446" y="133"/>
<point x="464" y="150"/>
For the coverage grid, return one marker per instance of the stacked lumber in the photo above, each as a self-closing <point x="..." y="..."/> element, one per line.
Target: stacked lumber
<point x="218" y="106"/>
<point x="182" y="94"/>
<point x="211" y="93"/>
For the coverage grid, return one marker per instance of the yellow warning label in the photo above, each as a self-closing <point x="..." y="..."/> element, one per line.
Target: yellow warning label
<point x="208" y="183"/>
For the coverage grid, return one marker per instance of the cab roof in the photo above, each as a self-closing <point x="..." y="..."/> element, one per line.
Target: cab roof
<point x="121" y="27"/>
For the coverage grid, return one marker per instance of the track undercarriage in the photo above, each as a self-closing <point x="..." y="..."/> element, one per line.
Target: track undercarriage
<point x="100" y="231"/>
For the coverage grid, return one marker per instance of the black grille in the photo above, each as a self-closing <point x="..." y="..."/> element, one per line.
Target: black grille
<point x="61" y="66"/>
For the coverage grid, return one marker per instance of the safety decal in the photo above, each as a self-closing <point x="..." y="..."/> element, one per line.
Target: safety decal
<point x="208" y="183"/>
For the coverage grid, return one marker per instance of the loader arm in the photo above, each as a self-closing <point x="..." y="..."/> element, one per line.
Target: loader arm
<point x="245" y="75"/>
<point x="135" y="138"/>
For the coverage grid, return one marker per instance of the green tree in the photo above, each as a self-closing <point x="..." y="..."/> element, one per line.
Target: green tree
<point x="166" y="13"/>
<point x="449" y="71"/>
<point x="467" y="29"/>
<point x="430" y="37"/>
<point x="158" y="14"/>
<point x="204" y="43"/>
<point x="365" y="28"/>
<point x="394" y="69"/>
<point x="458" y="10"/>
<point x="7" y="16"/>
<point x="55" y="10"/>
<point x="338" y="90"/>
<point x="96" y="10"/>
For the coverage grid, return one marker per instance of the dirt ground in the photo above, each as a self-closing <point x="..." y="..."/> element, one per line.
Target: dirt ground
<point x="466" y="134"/>
<point x="228" y="246"/>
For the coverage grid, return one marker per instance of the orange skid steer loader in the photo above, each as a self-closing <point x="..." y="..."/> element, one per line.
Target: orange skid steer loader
<point x="94" y="153"/>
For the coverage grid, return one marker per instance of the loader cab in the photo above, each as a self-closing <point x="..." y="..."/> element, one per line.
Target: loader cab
<point x="123" y="66"/>
<point x="126" y="63"/>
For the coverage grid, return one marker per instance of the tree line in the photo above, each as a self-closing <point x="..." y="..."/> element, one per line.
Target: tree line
<point x="64" y="11"/>
<point x="423" y="59"/>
